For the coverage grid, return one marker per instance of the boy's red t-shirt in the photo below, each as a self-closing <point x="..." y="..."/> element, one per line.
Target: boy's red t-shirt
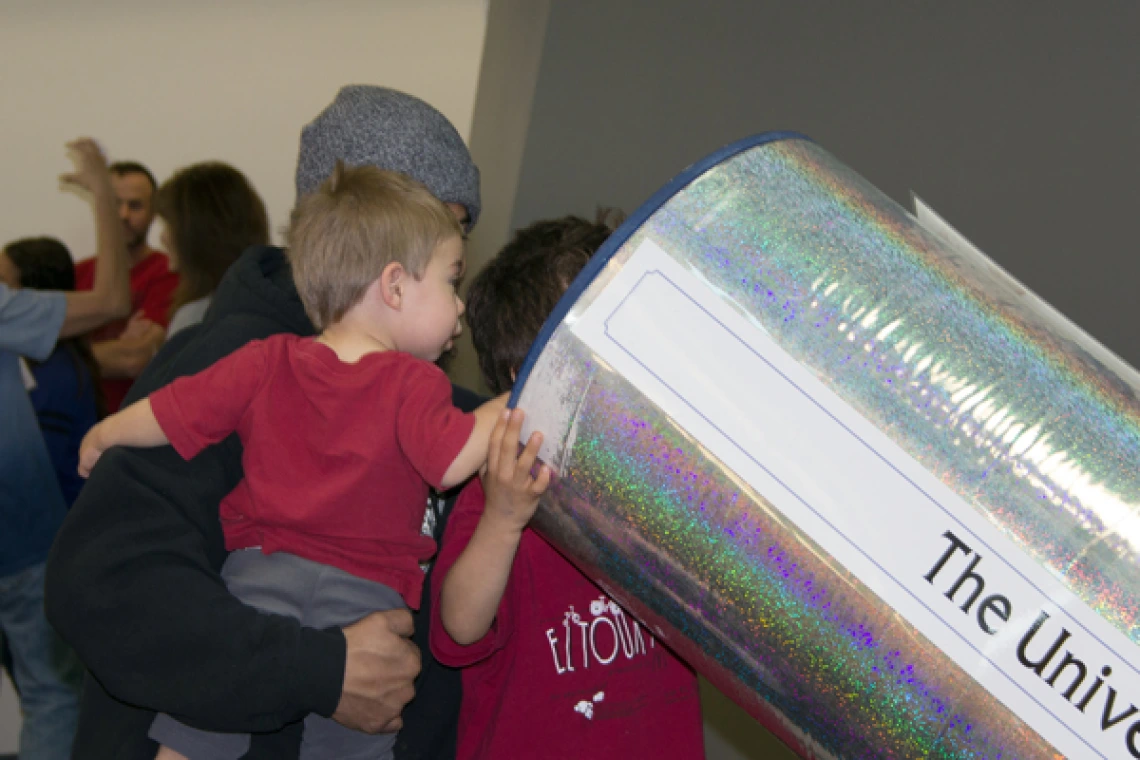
<point x="152" y="292"/>
<point x="564" y="671"/>
<point x="337" y="457"/>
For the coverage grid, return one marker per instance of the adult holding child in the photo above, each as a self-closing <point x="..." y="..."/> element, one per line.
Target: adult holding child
<point x="377" y="261"/>
<point x="134" y="579"/>
<point x="31" y="505"/>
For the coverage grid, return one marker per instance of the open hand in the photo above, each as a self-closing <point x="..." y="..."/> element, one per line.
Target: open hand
<point x="91" y="173"/>
<point x="512" y="491"/>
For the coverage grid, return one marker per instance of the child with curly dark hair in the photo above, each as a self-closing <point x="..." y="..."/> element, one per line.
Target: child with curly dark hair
<point x="551" y="666"/>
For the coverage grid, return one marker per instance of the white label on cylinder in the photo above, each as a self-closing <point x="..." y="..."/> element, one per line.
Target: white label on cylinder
<point x="914" y="542"/>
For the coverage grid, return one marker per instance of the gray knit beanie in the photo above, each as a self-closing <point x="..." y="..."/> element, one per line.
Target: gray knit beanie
<point x="390" y="130"/>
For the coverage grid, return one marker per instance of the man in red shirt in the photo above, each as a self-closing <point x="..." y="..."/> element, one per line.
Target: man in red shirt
<point x="123" y="348"/>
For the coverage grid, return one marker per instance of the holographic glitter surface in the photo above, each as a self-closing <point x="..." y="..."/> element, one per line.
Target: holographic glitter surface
<point x="1024" y="417"/>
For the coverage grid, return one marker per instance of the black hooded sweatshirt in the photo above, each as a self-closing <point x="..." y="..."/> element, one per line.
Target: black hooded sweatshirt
<point x="133" y="578"/>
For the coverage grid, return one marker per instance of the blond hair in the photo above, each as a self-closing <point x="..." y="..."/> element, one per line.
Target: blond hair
<point x="343" y="234"/>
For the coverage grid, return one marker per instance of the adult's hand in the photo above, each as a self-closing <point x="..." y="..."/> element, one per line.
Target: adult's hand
<point x="381" y="664"/>
<point x="110" y="295"/>
<point x="91" y="172"/>
<point x="128" y="354"/>
<point x="140" y="328"/>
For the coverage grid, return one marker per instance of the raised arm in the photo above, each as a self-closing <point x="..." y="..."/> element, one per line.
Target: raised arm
<point x="474" y="453"/>
<point x="110" y="298"/>
<point x="474" y="586"/>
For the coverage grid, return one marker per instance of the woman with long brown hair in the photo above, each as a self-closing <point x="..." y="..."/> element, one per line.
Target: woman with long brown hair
<point x="211" y="214"/>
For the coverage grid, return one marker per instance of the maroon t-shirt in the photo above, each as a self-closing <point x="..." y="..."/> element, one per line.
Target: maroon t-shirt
<point x="337" y="457"/>
<point x="152" y="290"/>
<point x="564" y="671"/>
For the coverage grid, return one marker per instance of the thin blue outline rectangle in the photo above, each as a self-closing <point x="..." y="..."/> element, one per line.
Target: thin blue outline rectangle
<point x="873" y="450"/>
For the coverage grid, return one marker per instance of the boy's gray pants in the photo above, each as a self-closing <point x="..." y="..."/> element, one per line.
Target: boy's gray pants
<point x="319" y="596"/>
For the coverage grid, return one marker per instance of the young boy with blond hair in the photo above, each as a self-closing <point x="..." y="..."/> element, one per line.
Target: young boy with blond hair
<point x="342" y="433"/>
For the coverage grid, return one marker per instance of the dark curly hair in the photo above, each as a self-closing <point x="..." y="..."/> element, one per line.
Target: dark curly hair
<point x="509" y="301"/>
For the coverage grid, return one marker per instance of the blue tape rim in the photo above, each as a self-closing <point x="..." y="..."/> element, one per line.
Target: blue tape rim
<point x="624" y="232"/>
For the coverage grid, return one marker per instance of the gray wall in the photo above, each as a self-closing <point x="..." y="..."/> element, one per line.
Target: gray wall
<point x="1019" y="121"/>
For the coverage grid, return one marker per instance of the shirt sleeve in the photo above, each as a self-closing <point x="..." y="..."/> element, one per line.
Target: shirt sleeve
<point x="460" y="527"/>
<point x="85" y="274"/>
<point x="30" y="321"/>
<point x="430" y="430"/>
<point x="200" y="410"/>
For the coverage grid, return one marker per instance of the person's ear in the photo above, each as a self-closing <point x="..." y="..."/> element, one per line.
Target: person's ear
<point x="392" y="283"/>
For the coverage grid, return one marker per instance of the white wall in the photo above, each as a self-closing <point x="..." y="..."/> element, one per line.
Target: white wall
<point x="516" y="31"/>
<point x="171" y="83"/>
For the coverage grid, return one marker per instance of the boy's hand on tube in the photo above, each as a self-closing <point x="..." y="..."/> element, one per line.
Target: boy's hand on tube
<point x="512" y="491"/>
